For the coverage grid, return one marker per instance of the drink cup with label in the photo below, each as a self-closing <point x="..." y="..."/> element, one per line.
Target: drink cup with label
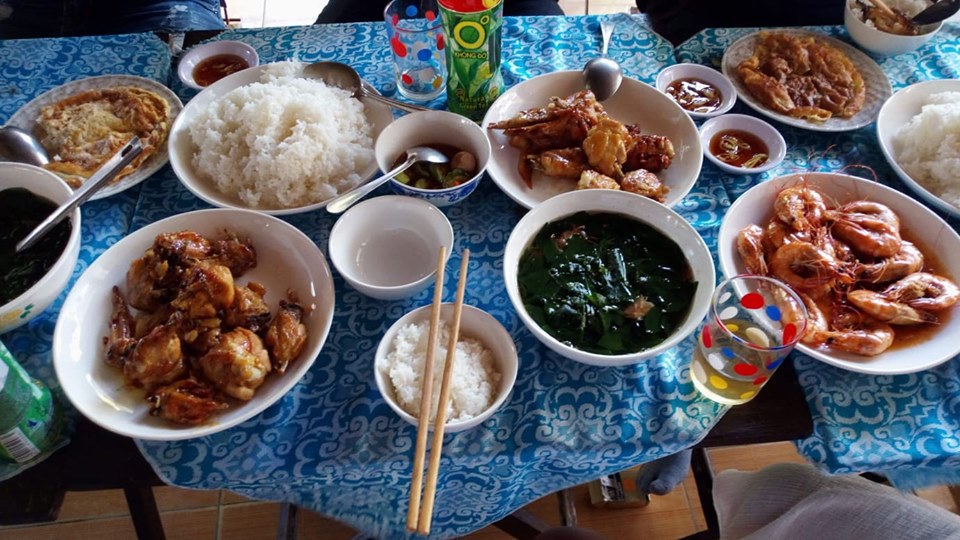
<point x="753" y="324"/>
<point x="30" y="419"/>
<point x="472" y="29"/>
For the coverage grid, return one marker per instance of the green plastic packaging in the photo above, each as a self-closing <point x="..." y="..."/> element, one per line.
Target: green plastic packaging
<point x="472" y="31"/>
<point x="30" y="419"/>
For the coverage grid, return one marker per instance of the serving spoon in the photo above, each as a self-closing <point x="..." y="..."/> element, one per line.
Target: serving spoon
<point x="104" y="174"/>
<point x="20" y="146"/>
<point x="415" y="154"/>
<point x="347" y="78"/>
<point x="603" y="75"/>
<point x="937" y="12"/>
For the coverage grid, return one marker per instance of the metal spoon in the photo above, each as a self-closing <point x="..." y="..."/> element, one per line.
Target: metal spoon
<point x="19" y="145"/>
<point x="347" y="78"/>
<point x="104" y="174"/>
<point x="939" y="11"/>
<point x="603" y="75"/>
<point x="415" y="154"/>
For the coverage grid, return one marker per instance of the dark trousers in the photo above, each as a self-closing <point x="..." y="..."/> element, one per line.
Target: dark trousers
<point x="342" y="11"/>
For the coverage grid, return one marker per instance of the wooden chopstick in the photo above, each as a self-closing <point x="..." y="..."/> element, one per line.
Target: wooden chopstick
<point x="426" y="510"/>
<point x="426" y="395"/>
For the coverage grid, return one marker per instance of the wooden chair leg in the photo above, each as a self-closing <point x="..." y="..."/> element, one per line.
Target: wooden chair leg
<point x="568" y="508"/>
<point x="287" y="529"/>
<point x="522" y="525"/>
<point x="703" y="475"/>
<point x="144" y="513"/>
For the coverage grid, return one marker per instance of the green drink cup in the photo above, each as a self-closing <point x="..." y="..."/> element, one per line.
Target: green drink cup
<point x="472" y="29"/>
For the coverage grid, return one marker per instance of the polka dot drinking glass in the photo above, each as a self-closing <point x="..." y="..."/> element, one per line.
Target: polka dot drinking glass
<point x="416" y="39"/>
<point x="753" y="324"/>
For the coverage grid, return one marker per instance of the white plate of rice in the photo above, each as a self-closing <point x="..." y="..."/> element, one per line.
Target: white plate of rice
<point x="271" y="140"/>
<point x="919" y="133"/>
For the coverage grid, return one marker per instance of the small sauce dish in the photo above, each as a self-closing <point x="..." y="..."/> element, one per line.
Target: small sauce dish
<point x="744" y="129"/>
<point x="701" y="91"/>
<point x="205" y="64"/>
<point x="386" y="247"/>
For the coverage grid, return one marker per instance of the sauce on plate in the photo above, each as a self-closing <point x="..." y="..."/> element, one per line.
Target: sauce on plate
<point x="739" y="148"/>
<point x="20" y="212"/>
<point x="695" y="95"/>
<point x="217" y="67"/>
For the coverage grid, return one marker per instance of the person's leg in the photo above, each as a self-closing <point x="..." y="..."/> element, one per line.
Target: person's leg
<point x="344" y="11"/>
<point x="531" y="7"/>
<point x="21" y="19"/>
<point x="129" y="16"/>
<point x="660" y="476"/>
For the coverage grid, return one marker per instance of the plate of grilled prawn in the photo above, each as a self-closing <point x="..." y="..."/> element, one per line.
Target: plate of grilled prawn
<point x="193" y="324"/>
<point x="877" y="270"/>
<point x="550" y="136"/>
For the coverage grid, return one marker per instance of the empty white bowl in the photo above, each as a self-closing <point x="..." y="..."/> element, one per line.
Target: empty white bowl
<point x="41" y="294"/>
<point x="426" y="128"/>
<point x="883" y="43"/>
<point x="387" y="247"/>
<point x="636" y="207"/>
<point x="198" y="54"/>
<point x="474" y="323"/>
<point x="776" y="146"/>
<point x="728" y="93"/>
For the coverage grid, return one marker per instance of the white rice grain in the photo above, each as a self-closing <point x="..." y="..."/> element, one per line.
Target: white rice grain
<point x="928" y="146"/>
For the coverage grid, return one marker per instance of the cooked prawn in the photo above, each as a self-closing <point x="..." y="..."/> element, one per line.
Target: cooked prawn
<point x="286" y="335"/>
<point x="804" y="266"/>
<point x="156" y="360"/>
<point x="869" y="228"/>
<point x="925" y="291"/>
<point x="778" y="233"/>
<point x="870" y="338"/>
<point x="750" y="248"/>
<point x="884" y="309"/>
<point x="907" y="261"/>
<point x="800" y="207"/>
<point x="121" y="341"/>
<point x="186" y="401"/>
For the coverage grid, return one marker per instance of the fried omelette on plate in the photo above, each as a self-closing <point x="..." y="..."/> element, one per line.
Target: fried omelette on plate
<point x="82" y="131"/>
<point x="802" y="77"/>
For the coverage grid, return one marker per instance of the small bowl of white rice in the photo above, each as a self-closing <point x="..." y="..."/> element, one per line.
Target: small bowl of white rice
<point x="484" y="369"/>
<point x="865" y="33"/>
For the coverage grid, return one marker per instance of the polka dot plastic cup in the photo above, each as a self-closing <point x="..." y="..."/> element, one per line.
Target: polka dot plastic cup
<point x="753" y="324"/>
<point x="416" y="40"/>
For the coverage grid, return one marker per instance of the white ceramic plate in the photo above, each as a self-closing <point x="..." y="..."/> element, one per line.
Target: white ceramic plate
<point x="182" y="146"/>
<point x="634" y="103"/>
<point x="897" y="112"/>
<point x="26" y="118"/>
<point x="878" y="87"/>
<point x="931" y="234"/>
<point x="287" y="258"/>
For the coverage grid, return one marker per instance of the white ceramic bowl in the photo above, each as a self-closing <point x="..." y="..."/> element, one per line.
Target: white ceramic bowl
<point x="432" y="127"/>
<point x="637" y="207"/>
<point x="474" y="323"/>
<point x="897" y="112"/>
<point x="883" y="43"/>
<point x="634" y="103"/>
<point x="192" y="57"/>
<point x="182" y="148"/>
<point x="287" y="259"/>
<point x="920" y="225"/>
<point x="41" y="294"/>
<point x="776" y="146"/>
<point x="387" y="247"/>
<point x="697" y="71"/>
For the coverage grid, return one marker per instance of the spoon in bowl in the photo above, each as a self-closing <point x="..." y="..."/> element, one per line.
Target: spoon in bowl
<point x="20" y="146"/>
<point x="939" y="11"/>
<point x="415" y="154"/>
<point x="104" y="174"/>
<point x="345" y="77"/>
<point x="603" y="75"/>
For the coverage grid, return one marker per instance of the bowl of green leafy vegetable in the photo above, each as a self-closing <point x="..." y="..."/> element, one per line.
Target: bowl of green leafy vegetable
<point x="608" y="278"/>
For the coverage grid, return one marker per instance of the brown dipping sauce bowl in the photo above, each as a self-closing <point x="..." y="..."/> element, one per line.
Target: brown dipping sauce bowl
<point x="207" y="63"/>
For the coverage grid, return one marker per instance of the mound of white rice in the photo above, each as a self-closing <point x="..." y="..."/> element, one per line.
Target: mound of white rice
<point x="928" y="146"/>
<point x="473" y="382"/>
<point x="283" y="142"/>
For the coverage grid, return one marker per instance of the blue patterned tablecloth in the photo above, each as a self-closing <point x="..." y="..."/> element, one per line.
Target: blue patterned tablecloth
<point x="904" y="426"/>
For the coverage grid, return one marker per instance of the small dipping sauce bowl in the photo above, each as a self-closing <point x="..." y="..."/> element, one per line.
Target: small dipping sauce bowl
<point x="431" y="128"/>
<point x="206" y="64"/>
<point x="694" y="83"/>
<point x="754" y="128"/>
<point x="387" y="247"/>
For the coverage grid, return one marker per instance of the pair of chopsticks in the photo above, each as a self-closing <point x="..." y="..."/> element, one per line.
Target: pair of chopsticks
<point x="420" y="515"/>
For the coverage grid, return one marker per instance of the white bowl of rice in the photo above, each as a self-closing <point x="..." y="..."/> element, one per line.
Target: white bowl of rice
<point x="865" y="33"/>
<point x="269" y="139"/>
<point x="484" y="370"/>
<point x="919" y="133"/>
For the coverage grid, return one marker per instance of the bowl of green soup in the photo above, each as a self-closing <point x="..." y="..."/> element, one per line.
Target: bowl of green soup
<point x="30" y="281"/>
<point x="608" y="278"/>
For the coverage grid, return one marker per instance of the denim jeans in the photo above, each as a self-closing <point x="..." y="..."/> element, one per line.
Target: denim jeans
<point x="48" y="18"/>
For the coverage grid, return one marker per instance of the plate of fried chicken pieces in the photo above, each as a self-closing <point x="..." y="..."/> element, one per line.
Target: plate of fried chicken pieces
<point x="193" y="324"/>
<point x="549" y="136"/>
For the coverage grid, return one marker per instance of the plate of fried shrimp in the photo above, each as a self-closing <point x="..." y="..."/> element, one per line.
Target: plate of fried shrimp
<point x="877" y="270"/>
